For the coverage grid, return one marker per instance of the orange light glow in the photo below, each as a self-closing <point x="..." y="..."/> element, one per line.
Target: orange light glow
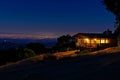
<point x="86" y="40"/>
<point x="102" y="41"/>
<point x="95" y="39"/>
<point x="107" y="41"/>
<point x="98" y="41"/>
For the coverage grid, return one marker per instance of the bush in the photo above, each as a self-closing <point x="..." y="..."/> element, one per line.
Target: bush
<point x="25" y="53"/>
<point x="36" y="47"/>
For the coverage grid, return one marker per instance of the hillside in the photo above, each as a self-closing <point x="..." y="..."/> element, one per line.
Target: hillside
<point x="89" y="67"/>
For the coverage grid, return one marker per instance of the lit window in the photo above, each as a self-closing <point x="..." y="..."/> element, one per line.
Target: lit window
<point x="95" y="39"/>
<point x="86" y="40"/>
<point x="102" y="41"/>
<point x="107" y="41"/>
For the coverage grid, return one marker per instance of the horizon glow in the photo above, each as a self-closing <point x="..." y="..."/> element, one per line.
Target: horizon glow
<point x="55" y="17"/>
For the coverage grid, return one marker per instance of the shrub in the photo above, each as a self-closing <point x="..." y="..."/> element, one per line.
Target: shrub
<point x="36" y="47"/>
<point x="25" y="53"/>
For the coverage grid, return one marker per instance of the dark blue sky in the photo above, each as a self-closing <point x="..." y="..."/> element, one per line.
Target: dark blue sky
<point x="51" y="17"/>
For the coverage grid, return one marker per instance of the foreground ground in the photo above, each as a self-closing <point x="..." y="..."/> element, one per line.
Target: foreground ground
<point x="89" y="67"/>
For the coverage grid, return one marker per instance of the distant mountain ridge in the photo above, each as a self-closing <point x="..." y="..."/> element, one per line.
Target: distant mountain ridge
<point x="27" y="36"/>
<point x="7" y="43"/>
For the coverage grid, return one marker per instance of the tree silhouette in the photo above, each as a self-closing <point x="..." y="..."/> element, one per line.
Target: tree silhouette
<point x="114" y="7"/>
<point x="36" y="47"/>
<point x="65" y="42"/>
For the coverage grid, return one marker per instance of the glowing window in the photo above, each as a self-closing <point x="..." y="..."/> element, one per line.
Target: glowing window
<point x="102" y="41"/>
<point x="107" y="41"/>
<point x="86" y="40"/>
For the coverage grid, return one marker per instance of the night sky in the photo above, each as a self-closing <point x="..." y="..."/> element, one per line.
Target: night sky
<point x="54" y="17"/>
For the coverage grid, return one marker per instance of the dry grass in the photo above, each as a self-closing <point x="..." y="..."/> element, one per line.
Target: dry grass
<point x="37" y="58"/>
<point x="53" y="56"/>
<point x="65" y="54"/>
<point x="60" y="55"/>
<point x="107" y="51"/>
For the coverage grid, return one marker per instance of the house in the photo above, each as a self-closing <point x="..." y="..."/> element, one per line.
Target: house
<point x="93" y="40"/>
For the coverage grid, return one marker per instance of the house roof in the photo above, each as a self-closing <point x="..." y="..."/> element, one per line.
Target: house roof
<point x="94" y="35"/>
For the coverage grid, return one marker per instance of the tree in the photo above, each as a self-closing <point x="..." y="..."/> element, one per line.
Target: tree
<point x="36" y="47"/>
<point x="65" y="42"/>
<point x="107" y="32"/>
<point x="114" y="7"/>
